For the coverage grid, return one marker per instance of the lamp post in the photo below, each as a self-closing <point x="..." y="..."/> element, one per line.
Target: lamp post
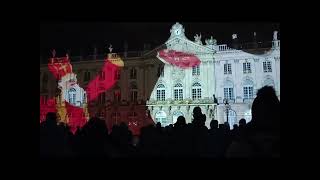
<point x="226" y="103"/>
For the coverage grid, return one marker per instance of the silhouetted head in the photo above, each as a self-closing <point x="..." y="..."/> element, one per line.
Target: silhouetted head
<point x="97" y="125"/>
<point x="196" y="111"/>
<point x="266" y="109"/>
<point x="242" y="122"/>
<point x="214" y="124"/>
<point x="181" y="121"/>
<point x="123" y="125"/>
<point x="158" y="125"/>
<point x="235" y="126"/>
<point x="51" y="118"/>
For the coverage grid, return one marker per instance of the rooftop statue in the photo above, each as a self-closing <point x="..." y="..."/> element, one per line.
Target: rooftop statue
<point x="211" y="41"/>
<point x="197" y="39"/>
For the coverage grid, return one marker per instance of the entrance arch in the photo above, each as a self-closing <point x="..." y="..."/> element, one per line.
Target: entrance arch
<point x="232" y="118"/>
<point x="161" y="117"/>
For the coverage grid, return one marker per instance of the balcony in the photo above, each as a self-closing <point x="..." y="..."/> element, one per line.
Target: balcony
<point x="248" y="100"/>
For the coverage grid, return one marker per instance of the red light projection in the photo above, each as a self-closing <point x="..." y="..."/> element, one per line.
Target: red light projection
<point x="178" y="58"/>
<point x="98" y="86"/>
<point x="60" y="67"/>
<point x="46" y="105"/>
<point x="75" y="114"/>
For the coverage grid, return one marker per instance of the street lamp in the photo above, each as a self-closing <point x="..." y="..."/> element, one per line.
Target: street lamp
<point x="227" y="106"/>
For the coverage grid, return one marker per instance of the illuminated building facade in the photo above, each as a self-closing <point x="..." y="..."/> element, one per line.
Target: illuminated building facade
<point x="148" y="85"/>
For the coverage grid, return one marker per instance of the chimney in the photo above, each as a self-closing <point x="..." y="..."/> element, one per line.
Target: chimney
<point x="95" y="52"/>
<point x="235" y="42"/>
<point x="146" y="47"/>
<point x="255" y="43"/>
<point x="275" y="42"/>
<point x="125" y="49"/>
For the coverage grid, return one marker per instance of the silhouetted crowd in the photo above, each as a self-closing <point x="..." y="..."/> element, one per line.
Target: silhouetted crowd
<point x="258" y="138"/>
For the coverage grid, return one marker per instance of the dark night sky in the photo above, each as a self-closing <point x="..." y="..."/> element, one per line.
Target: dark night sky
<point x="82" y="36"/>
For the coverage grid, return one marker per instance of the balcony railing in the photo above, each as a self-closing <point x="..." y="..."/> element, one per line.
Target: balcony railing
<point x="251" y="45"/>
<point x="136" y="54"/>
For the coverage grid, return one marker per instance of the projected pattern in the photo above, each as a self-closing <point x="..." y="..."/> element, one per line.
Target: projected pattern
<point x="71" y="103"/>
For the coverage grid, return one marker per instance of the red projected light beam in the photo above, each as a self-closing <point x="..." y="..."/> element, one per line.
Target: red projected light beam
<point x="98" y="86"/>
<point x="76" y="114"/>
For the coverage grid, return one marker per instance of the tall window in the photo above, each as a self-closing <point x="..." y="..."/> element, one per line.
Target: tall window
<point x="161" y="92"/>
<point x="115" y="117"/>
<point x="134" y="92"/>
<point x="228" y="93"/>
<point x="246" y="67"/>
<point x="102" y="76"/>
<point x="86" y="76"/>
<point x="248" y="89"/>
<point x="196" y="91"/>
<point x="161" y="71"/>
<point x="248" y="92"/>
<point x="44" y="99"/>
<point x="117" y="95"/>
<point x="117" y="75"/>
<point x="178" y="92"/>
<point x="228" y="90"/>
<point x="84" y="100"/>
<point x="45" y="82"/>
<point x="196" y="70"/>
<point x="132" y="116"/>
<point x="267" y="66"/>
<point x="102" y="98"/>
<point x="133" y="73"/>
<point x="72" y="96"/>
<point x="227" y="69"/>
<point x="232" y="118"/>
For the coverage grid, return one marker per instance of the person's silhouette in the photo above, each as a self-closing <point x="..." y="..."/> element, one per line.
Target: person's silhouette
<point x="262" y="134"/>
<point x="242" y="123"/>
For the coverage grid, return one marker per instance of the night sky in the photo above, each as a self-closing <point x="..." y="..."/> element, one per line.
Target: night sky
<point x="76" y="37"/>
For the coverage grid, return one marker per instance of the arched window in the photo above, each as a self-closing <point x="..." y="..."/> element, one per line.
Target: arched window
<point x="72" y="96"/>
<point x="228" y="90"/>
<point x="178" y="92"/>
<point x="268" y="82"/>
<point x="232" y="118"/>
<point x="247" y="89"/>
<point x="161" y="92"/>
<point x="161" y="117"/>
<point x="196" y="91"/>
